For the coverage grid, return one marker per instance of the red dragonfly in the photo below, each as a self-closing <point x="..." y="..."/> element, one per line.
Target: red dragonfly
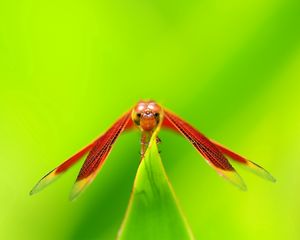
<point x="148" y="116"/>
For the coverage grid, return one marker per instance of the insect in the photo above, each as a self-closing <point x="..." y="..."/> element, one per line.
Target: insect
<point x="149" y="116"/>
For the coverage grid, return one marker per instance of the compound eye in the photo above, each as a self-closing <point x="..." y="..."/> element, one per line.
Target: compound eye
<point x="137" y="118"/>
<point x="156" y="114"/>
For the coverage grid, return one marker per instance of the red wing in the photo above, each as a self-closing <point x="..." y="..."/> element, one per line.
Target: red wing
<point x="206" y="148"/>
<point x="62" y="168"/>
<point x="98" y="155"/>
<point x="56" y="172"/>
<point x="129" y="126"/>
<point x="253" y="167"/>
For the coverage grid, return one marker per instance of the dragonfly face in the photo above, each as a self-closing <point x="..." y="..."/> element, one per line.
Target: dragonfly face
<point x="147" y="115"/>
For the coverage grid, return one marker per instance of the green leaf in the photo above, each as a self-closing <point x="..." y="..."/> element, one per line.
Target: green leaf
<point x="153" y="211"/>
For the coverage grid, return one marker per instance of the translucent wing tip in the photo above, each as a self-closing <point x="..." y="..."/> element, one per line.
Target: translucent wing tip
<point x="79" y="187"/>
<point x="251" y="166"/>
<point x="260" y="171"/>
<point x="44" y="182"/>
<point x="234" y="178"/>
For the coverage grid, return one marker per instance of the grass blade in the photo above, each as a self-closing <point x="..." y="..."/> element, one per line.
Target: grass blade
<point x="153" y="211"/>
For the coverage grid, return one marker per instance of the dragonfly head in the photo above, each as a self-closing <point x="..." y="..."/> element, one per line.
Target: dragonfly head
<point x="147" y="115"/>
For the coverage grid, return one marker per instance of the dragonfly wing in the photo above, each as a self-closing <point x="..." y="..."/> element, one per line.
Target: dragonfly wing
<point x="129" y="126"/>
<point x="253" y="167"/>
<point x="98" y="154"/>
<point x="56" y="172"/>
<point x="206" y="148"/>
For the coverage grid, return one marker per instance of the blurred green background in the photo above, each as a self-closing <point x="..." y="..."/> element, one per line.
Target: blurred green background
<point x="68" y="69"/>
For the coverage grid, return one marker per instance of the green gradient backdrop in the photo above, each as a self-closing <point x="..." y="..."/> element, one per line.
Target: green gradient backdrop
<point x="68" y="69"/>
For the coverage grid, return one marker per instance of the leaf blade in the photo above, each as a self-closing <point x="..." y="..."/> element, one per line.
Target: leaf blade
<point x="153" y="211"/>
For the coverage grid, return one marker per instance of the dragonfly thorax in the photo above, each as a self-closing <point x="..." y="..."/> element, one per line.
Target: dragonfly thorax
<point x="147" y="115"/>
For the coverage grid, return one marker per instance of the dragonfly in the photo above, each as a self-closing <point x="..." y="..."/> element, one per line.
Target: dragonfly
<point x="148" y="116"/>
